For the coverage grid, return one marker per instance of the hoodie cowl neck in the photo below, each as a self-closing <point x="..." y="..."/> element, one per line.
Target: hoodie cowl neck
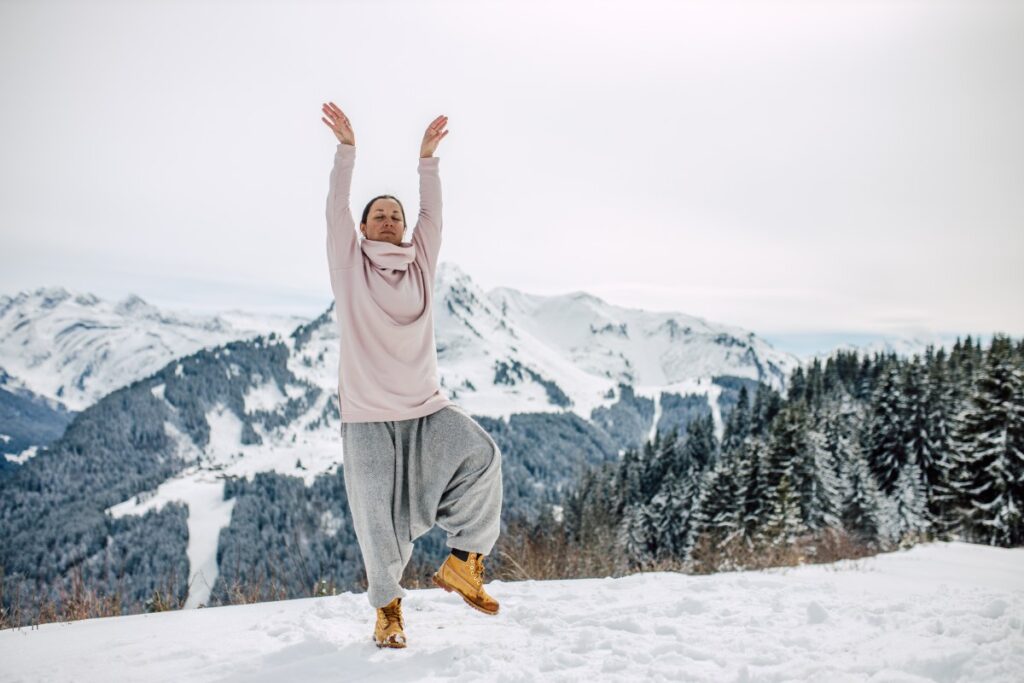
<point x="388" y="255"/>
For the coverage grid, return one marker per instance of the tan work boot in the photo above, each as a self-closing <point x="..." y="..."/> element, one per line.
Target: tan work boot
<point x="388" y="630"/>
<point x="466" y="579"/>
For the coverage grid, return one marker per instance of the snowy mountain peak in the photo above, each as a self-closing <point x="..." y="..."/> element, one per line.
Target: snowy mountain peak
<point x="134" y="305"/>
<point x="50" y="297"/>
<point x="74" y="347"/>
<point x="87" y="299"/>
<point x="505" y="350"/>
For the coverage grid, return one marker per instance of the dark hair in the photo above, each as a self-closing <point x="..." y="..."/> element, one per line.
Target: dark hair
<point x="366" y="211"/>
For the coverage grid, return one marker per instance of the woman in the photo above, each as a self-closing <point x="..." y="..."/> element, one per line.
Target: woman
<point x="412" y="458"/>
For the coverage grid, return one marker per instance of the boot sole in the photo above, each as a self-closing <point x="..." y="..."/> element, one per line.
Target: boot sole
<point x="387" y="643"/>
<point x="441" y="584"/>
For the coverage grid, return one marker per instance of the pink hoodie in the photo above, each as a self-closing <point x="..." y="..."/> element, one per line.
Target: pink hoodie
<point x="383" y="300"/>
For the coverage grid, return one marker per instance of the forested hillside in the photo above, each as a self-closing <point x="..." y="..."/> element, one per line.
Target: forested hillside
<point x="886" y="450"/>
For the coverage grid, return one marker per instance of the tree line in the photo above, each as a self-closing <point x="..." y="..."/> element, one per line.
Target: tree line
<point x="887" y="450"/>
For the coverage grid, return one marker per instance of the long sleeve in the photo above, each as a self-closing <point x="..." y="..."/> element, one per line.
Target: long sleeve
<point x="427" y="235"/>
<point x="342" y="243"/>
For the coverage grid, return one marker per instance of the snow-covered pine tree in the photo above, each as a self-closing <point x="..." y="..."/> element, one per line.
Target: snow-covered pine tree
<point x="628" y="480"/>
<point x="767" y="404"/>
<point x="886" y="451"/>
<point x="633" y="535"/>
<point x="990" y="449"/>
<point x="785" y="440"/>
<point x="936" y="461"/>
<point x="836" y="428"/>
<point x="719" y="511"/>
<point x="700" y="449"/>
<point x="782" y="525"/>
<point x="737" y="425"/>
<point x="658" y="523"/>
<point x="797" y="386"/>
<point x="811" y="470"/>
<point x="591" y="505"/>
<point x="672" y="521"/>
<point x="916" y="440"/>
<point x="658" y="459"/>
<point x="755" y="483"/>
<point x="814" y="392"/>
<point x="861" y="512"/>
<point x="906" y="508"/>
<point x="865" y="381"/>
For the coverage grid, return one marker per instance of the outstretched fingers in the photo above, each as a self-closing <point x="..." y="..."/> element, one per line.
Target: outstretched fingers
<point x="437" y="124"/>
<point x="337" y="119"/>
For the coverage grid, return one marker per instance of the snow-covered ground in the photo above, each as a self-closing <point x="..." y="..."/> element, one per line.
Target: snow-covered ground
<point x="937" y="612"/>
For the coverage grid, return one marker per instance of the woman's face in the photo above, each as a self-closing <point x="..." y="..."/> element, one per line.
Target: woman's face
<point x="384" y="222"/>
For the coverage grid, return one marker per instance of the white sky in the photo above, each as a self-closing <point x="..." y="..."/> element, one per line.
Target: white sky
<point x="787" y="167"/>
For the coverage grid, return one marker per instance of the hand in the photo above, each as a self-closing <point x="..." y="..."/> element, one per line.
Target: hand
<point x="338" y="124"/>
<point x="433" y="135"/>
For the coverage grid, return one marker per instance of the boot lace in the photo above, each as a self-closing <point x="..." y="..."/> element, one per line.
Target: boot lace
<point x="476" y="566"/>
<point x="393" y="613"/>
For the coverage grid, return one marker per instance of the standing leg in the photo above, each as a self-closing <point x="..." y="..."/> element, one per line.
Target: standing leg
<point x="369" y="463"/>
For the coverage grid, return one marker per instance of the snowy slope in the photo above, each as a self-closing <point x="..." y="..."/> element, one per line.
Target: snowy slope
<point x="75" y="347"/>
<point x="937" y="612"/>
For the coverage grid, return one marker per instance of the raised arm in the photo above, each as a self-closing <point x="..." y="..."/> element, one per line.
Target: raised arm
<point x="342" y="243"/>
<point x="427" y="234"/>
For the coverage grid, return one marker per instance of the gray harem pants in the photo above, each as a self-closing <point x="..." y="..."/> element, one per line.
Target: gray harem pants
<point x="403" y="476"/>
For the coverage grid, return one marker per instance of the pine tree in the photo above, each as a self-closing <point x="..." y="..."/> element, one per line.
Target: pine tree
<point x="721" y="508"/>
<point x="810" y="467"/>
<point x="673" y="529"/>
<point x="910" y="504"/>
<point x="783" y="524"/>
<point x="990" y="449"/>
<point x="767" y="404"/>
<point x="797" y="387"/>
<point x="634" y="535"/>
<point x="937" y="461"/>
<point x="886" y="451"/>
<point x="700" y="448"/>
<point x="916" y="439"/>
<point x="658" y="460"/>
<point x="861" y="513"/>
<point x="864" y="382"/>
<point x="737" y="426"/>
<point x="757" y="493"/>
<point x="590" y="506"/>
<point x="814" y="392"/>
<point x="628" y="480"/>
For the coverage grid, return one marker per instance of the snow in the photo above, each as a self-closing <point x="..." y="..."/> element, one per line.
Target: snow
<point x="267" y="396"/>
<point x="584" y="345"/>
<point x="657" y="416"/>
<point x="76" y="348"/>
<point x="557" y="511"/>
<point x="936" y="612"/>
<point x="208" y="513"/>
<point x="21" y="458"/>
<point x="714" y="392"/>
<point x="225" y="430"/>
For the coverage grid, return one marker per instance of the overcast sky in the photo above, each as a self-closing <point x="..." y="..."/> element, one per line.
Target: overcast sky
<point x="805" y="167"/>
